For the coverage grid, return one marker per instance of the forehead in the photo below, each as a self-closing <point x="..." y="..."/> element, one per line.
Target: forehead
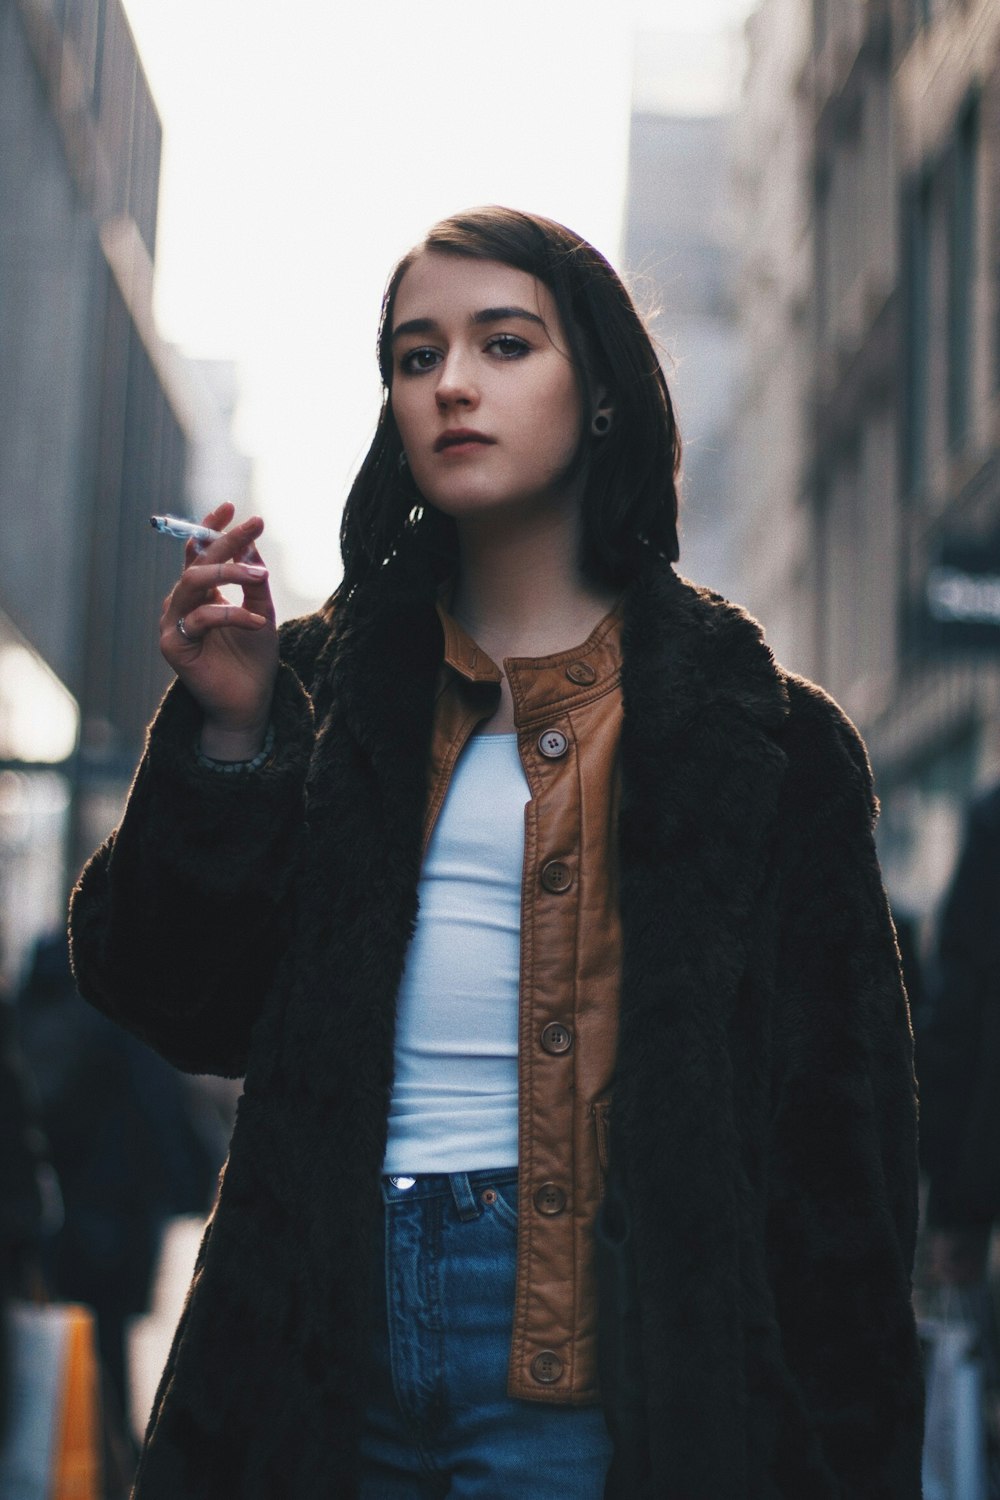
<point x="453" y="287"/>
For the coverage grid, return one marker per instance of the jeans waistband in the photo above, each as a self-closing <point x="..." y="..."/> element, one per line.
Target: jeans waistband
<point x="461" y="1186"/>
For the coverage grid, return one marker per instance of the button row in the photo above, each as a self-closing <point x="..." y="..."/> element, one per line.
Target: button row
<point x="557" y="877"/>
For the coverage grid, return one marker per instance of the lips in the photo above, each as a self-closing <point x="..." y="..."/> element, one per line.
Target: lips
<point x="461" y="437"/>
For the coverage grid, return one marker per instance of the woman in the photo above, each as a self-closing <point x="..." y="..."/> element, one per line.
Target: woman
<point x="672" y="982"/>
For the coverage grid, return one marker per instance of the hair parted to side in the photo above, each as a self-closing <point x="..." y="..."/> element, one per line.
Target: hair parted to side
<point x="629" y="503"/>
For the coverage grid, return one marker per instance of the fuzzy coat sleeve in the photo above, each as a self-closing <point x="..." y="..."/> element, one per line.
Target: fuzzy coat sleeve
<point x="178" y="919"/>
<point x="843" y="1187"/>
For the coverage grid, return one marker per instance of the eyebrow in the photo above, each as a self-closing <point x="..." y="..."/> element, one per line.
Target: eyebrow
<point x="485" y="315"/>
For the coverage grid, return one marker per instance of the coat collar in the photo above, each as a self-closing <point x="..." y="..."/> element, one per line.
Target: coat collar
<point x="700" y="687"/>
<point x="701" y="769"/>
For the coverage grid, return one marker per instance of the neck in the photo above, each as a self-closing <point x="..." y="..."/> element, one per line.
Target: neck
<point x="519" y="590"/>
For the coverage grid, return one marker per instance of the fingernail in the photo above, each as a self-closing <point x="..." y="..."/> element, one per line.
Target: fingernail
<point x="254" y="571"/>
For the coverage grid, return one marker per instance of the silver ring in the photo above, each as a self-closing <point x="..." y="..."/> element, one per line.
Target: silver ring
<point x="181" y="627"/>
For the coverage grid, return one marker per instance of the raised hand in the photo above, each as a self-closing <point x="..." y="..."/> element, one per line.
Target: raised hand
<point x="225" y="654"/>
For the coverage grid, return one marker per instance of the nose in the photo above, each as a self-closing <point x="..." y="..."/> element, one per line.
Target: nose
<point x="456" y="386"/>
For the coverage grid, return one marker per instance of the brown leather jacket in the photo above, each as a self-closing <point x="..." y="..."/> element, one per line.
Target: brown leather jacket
<point x="567" y="711"/>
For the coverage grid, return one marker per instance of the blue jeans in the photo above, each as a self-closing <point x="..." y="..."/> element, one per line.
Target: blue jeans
<point x="440" y="1422"/>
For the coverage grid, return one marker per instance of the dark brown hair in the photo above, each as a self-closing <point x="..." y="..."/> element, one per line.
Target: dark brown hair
<point x="629" y="502"/>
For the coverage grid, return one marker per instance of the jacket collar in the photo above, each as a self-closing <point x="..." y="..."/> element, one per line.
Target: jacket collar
<point x="692" y="663"/>
<point x="461" y="654"/>
<point x="541" y="685"/>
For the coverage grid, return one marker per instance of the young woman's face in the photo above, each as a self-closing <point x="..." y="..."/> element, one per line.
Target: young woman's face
<point x="484" y="391"/>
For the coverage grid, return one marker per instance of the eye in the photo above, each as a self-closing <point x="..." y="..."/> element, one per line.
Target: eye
<point x="416" y="361"/>
<point x="508" y="346"/>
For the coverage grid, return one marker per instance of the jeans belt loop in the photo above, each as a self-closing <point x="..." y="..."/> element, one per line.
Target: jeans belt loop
<point x="466" y="1201"/>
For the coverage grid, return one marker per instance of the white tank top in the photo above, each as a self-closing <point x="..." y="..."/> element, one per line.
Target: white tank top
<point x="454" y="1098"/>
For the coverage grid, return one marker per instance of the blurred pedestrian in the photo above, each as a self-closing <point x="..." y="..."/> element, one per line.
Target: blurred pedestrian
<point x="492" y="941"/>
<point x="22" y="1162"/>
<point x="958" y="1063"/>
<point x="130" y="1147"/>
<point x="958" y="1053"/>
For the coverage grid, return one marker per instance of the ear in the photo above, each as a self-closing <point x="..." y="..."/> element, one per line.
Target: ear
<point x="603" y="404"/>
<point x="604" y="413"/>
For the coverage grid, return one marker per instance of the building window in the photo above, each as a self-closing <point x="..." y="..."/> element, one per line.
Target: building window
<point x="961" y="272"/>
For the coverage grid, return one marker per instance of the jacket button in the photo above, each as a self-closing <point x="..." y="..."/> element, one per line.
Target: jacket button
<point x="550" y="1199"/>
<point x="556" y="1038"/>
<point x="557" y="876"/>
<point x="546" y="1367"/>
<point x="552" y="743"/>
<point x="581" y="672"/>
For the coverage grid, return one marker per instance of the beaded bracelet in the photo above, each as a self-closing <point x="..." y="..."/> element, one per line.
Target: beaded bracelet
<point x="239" y="767"/>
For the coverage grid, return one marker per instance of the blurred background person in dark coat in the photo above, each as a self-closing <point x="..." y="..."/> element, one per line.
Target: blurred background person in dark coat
<point x="133" y="1144"/>
<point x="958" y="1058"/>
<point x="21" y="1166"/>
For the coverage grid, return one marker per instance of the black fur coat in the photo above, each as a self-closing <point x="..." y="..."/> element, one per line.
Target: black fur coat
<point x="763" y="1119"/>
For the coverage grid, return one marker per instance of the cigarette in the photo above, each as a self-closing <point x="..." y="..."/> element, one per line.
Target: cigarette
<point x="184" y="531"/>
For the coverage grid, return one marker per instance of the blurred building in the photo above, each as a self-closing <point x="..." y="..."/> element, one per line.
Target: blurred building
<point x="678" y="263"/>
<point x="97" y="429"/>
<point x="218" y="470"/>
<point x="770" y="148"/>
<point x="883" y="152"/>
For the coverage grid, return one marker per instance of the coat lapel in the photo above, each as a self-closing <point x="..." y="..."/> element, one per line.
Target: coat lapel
<point x="358" y="896"/>
<point x="701" y="774"/>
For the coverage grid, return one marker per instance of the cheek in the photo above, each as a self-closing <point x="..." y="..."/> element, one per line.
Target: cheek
<point x="565" y="419"/>
<point x="397" y="406"/>
<point x="408" y="424"/>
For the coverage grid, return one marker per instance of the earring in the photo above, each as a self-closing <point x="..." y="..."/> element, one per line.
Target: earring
<point x="402" y="462"/>
<point x="601" y="424"/>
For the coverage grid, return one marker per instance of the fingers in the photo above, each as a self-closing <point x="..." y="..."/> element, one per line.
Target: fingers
<point x="205" y="618"/>
<point x="197" y="600"/>
<point x="213" y="616"/>
<point x="202" y="579"/>
<point x="238" y="542"/>
<point x="200" y="584"/>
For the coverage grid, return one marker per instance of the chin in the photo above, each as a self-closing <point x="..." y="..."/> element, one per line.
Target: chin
<point x="471" y="501"/>
<point x="466" y="501"/>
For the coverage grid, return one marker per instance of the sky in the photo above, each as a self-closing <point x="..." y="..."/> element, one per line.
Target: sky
<point x="307" y="146"/>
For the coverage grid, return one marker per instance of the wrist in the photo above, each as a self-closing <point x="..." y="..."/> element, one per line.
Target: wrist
<point x="221" y="744"/>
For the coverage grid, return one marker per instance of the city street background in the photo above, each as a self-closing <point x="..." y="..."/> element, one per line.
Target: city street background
<point x="199" y="206"/>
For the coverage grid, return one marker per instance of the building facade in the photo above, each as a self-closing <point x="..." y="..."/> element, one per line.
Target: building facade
<point x="885" y="573"/>
<point x="770" y="166"/>
<point x="677" y="260"/>
<point x="97" y="430"/>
